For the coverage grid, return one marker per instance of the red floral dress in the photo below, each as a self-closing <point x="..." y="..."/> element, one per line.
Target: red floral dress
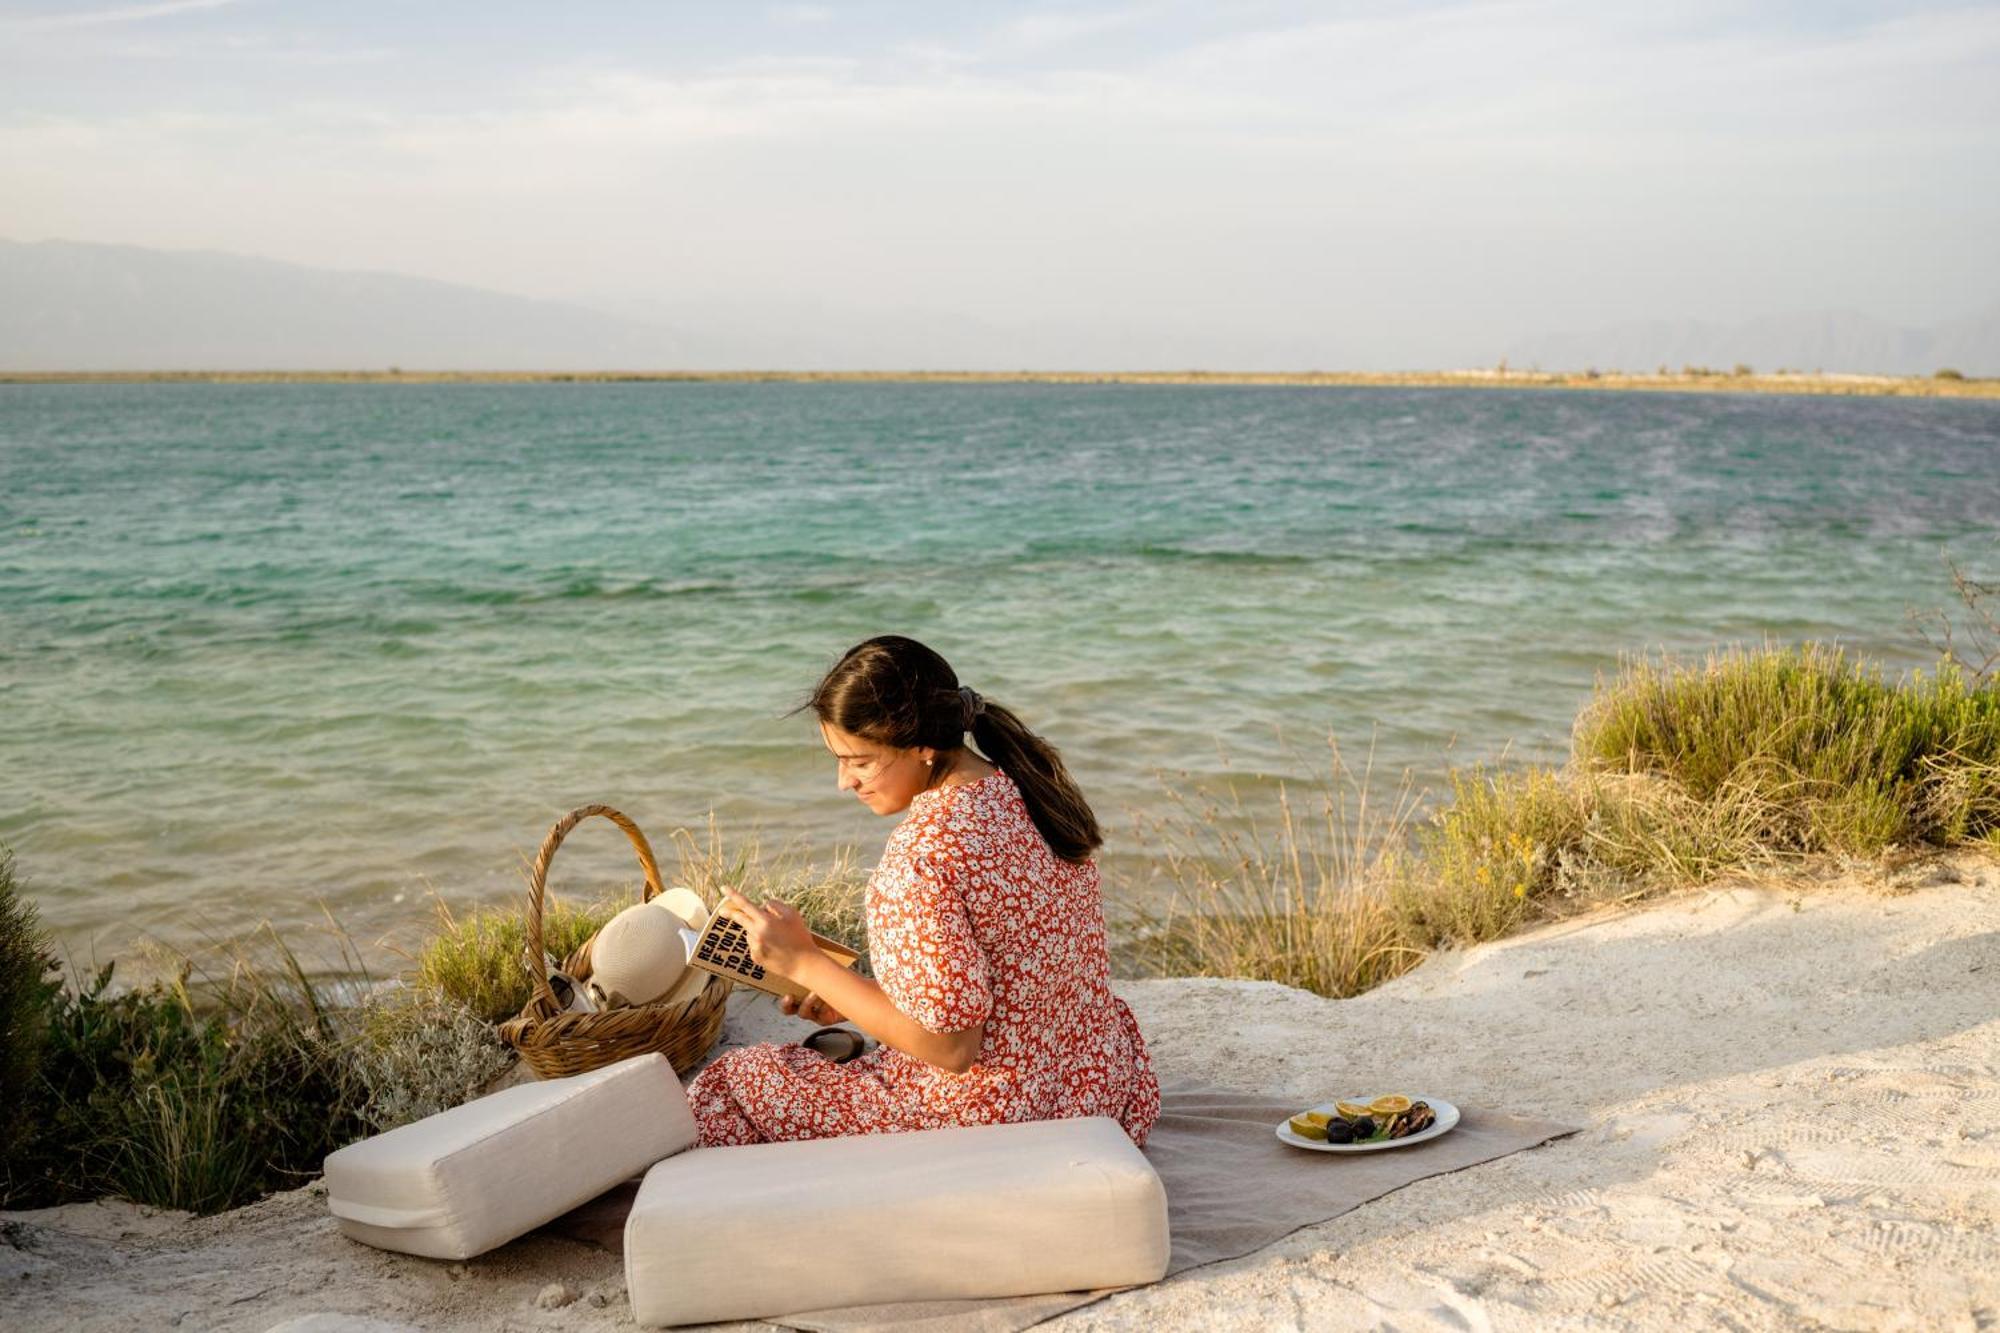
<point x="971" y="918"/>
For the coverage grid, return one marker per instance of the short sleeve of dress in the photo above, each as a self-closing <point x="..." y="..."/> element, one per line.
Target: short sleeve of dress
<point x="922" y="948"/>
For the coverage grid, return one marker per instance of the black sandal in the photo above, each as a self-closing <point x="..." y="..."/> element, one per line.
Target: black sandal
<point x="836" y="1043"/>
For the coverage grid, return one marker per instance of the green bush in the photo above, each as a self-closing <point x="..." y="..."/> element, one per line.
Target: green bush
<point x="1842" y="760"/>
<point x="478" y="962"/>
<point x="204" y="1091"/>
<point x="186" y="1094"/>
<point x="1519" y="846"/>
<point x="1488" y="858"/>
<point x="27" y="985"/>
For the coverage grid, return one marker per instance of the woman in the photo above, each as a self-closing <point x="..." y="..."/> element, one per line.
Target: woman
<point x="991" y="998"/>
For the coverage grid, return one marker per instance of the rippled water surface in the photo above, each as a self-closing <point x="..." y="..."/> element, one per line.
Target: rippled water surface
<point x="267" y="646"/>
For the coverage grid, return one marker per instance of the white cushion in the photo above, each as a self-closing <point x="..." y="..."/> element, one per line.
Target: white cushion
<point x="458" y="1183"/>
<point x="772" y="1229"/>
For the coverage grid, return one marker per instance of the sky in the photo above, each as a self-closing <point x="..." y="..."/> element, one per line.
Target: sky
<point x="1360" y="185"/>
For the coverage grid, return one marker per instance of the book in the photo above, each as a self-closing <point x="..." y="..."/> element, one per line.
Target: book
<point x="724" y="949"/>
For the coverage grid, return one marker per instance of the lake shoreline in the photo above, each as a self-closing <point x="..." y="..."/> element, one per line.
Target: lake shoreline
<point x="1825" y="385"/>
<point x="1815" y="1146"/>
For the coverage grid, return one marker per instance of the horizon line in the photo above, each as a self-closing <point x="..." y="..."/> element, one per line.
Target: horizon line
<point x="1740" y="379"/>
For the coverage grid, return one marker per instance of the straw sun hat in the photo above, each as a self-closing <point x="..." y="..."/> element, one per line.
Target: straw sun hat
<point x="640" y="956"/>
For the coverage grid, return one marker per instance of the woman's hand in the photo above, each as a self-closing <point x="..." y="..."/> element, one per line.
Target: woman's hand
<point x="812" y="1009"/>
<point x="779" y="937"/>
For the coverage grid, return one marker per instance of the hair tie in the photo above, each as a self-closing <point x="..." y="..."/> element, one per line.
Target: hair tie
<point x="974" y="705"/>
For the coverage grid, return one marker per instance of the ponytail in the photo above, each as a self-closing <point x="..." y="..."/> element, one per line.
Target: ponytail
<point x="895" y="691"/>
<point x="1053" y="799"/>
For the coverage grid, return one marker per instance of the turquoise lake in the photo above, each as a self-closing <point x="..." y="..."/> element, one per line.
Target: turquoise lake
<point x="265" y="648"/>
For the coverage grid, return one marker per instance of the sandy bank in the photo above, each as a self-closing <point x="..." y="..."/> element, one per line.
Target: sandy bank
<point x="1839" y="385"/>
<point x="1793" y="1110"/>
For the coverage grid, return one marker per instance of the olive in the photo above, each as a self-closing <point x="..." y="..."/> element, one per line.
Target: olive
<point x="1364" y="1128"/>
<point x="1339" y="1131"/>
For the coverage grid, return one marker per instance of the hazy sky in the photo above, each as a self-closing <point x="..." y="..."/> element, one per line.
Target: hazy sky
<point x="1332" y="184"/>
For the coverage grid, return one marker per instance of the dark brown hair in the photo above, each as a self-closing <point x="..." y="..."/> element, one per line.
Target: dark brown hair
<point x="894" y="691"/>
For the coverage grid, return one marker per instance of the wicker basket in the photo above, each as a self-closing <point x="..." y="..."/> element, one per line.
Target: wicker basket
<point x="556" y="1044"/>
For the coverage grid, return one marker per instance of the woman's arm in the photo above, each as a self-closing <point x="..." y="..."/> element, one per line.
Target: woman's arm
<point x="780" y="942"/>
<point x="868" y="1008"/>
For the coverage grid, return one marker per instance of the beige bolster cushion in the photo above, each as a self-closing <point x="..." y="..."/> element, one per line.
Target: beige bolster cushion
<point x="460" y="1182"/>
<point x="772" y="1229"/>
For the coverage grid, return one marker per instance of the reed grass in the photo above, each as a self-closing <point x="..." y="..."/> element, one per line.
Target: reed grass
<point x="831" y="898"/>
<point x="1308" y="904"/>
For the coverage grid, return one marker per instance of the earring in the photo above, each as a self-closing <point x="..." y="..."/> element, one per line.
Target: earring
<point x="927" y="763"/>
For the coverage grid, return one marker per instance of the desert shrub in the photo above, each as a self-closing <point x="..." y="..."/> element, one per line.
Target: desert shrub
<point x="1517" y="846"/>
<point x="1837" y="758"/>
<point x="1487" y="858"/>
<point x="198" y="1093"/>
<point x="1947" y="373"/>
<point x="27" y="985"/>
<point x="416" y="1054"/>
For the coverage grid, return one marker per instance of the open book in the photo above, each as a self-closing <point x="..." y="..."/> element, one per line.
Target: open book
<point x="724" y="949"/>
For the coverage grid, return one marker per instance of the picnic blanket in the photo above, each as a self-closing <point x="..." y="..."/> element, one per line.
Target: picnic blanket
<point x="1232" y="1188"/>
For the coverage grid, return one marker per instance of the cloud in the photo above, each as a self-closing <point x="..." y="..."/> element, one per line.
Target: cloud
<point x="124" y="14"/>
<point x="1041" y="32"/>
<point x="800" y="16"/>
<point x="1535" y="163"/>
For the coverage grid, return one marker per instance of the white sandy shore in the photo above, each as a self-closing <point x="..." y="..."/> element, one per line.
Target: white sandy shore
<point x="1793" y="1111"/>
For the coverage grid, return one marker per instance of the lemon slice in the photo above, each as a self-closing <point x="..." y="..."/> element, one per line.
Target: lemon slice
<point x="1382" y="1106"/>
<point x="1351" y="1110"/>
<point x="1316" y="1117"/>
<point x="1306" y="1129"/>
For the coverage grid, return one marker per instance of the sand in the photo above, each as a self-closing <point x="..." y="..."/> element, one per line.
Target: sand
<point x="1792" y="1101"/>
<point x="1683" y="381"/>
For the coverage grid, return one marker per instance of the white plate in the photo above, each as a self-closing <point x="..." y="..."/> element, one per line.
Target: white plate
<point x="1447" y="1116"/>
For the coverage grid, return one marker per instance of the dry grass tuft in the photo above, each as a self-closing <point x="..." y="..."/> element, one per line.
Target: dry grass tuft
<point x="1309" y="906"/>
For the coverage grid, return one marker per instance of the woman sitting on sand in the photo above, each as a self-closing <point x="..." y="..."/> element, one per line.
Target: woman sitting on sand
<point x="991" y="997"/>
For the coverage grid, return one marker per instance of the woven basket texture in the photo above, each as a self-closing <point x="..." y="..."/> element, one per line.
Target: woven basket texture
<point x="555" y="1044"/>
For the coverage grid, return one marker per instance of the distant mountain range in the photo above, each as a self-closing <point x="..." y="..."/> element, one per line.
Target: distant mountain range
<point x="1833" y="341"/>
<point x="72" y="306"/>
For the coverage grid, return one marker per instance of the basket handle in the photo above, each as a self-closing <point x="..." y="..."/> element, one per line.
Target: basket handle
<point x="538" y="885"/>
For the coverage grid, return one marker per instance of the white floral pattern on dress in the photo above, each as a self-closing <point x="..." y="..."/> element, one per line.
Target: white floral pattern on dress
<point x="971" y="919"/>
